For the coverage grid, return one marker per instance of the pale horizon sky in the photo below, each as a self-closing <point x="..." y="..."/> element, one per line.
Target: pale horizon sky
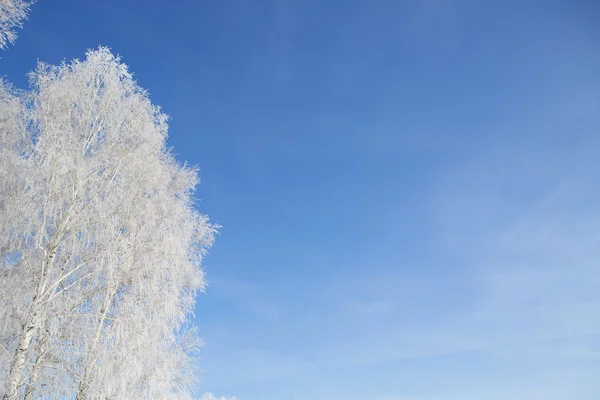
<point x="409" y="191"/>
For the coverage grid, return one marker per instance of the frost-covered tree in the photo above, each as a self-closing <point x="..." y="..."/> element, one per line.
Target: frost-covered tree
<point x="12" y="14"/>
<point x="210" y="396"/>
<point x="100" y="242"/>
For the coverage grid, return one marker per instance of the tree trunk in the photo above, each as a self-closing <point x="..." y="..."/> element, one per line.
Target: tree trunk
<point x="14" y="374"/>
<point x="83" y="384"/>
<point x="35" y="369"/>
<point x="14" y="379"/>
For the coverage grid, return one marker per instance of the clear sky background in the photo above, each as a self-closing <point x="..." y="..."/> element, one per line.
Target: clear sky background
<point x="409" y="190"/>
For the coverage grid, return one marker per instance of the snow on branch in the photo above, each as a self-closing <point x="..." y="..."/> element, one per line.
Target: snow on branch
<point x="12" y="14"/>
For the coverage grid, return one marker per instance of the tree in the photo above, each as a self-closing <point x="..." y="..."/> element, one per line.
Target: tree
<point x="12" y="13"/>
<point x="100" y="243"/>
<point x="210" y="396"/>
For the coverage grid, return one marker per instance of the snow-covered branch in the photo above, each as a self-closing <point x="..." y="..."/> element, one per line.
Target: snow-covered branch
<point x="101" y="243"/>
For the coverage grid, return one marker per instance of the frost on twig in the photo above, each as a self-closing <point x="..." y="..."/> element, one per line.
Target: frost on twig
<point x="210" y="396"/>
<point x="100" y="241"/>
<point x="12" y="14"/>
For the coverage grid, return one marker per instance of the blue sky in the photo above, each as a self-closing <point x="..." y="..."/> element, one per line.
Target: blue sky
<point x="409" y="190"/>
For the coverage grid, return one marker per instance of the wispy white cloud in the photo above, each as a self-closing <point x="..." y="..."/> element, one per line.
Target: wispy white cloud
<point x="526" y="294"/>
